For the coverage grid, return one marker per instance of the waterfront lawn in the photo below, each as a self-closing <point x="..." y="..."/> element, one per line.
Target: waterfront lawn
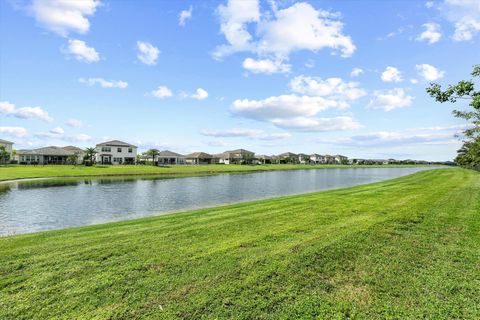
<point x="29" y="171"/>
<point x="407" y="248"/>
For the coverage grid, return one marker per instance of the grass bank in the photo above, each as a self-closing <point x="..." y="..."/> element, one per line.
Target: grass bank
<point x="405" y="248"/>
<point x="26" y="172"/>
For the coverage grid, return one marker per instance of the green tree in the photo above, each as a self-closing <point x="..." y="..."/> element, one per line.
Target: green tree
<point x="153" y="153"/>
<point x="90" y="155"/>
<point x="469" y="154"/>
<point x="4" y="155"/>
<point x="72" y="159"/>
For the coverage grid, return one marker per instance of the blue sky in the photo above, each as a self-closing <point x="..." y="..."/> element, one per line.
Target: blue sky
<point x="332" y="77"/>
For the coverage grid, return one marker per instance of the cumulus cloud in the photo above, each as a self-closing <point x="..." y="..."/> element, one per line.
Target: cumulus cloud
<point x="63" y="16"/>
<point x="184" y="16"/>
<point x="431" y="34"/>
<point x="162" y="92"/>
<point x="147" y="53"/>
<point x="391" y="74"/>
<point x="277" y="33"/>
<point x="283" y="106"/>
<point x="390" y="100"/>
<point x="317" y="124"/>
<point x="18" y="132"/>
<point x="334" y="88"/>
<point x="81" y="137"/>
<point x="429" y="72"/>
<point x="75" y="123"/>
<point x="104" y="83"/>
<point x="38" y="113"/>
<point x="356" y="72"/>
<point x="200" y="94"/>
<point x="57" y="130"/>
<point x="217" y="143"/>
<point x="465" y="16"/>
<point x="267" y="66"/>
<point x="246" y="133"/>
<point x="82" y="52"/>
<point x="390" y="138"/>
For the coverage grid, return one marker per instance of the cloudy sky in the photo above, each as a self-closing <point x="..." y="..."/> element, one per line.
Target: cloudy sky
<point x="333" y="77"/>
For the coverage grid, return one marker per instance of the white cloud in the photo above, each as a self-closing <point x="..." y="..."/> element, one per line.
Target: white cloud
<point x="82" y="52"/>
<point x="429" y="72"/>
<point x="104" y="83"/>
<point x="9" y="109"/>
<point x="277" y="33"/>
<point x="162" y="92"/>
<point x="147" y="53"/>
<point x="283" y="106"/>
<point x="465" y="15"/>
<point x="200" y="94"/>
<point x="57" y="130"/>
<point x="217" y="143"/>
<point x="429" y="4"/>
<point x="392" y="74"/>
<point x="18" y="132"/>
<point x="389" y="100"/>
<point x="413" y="81"/>
<point x="81" y="137"/>
<point x="334" y="88"/>
<point x="389" y="138"/>
<point x="64" y="16"/>
<point x="266" y="66"/>
<point x="356" y="72"/>
<point x="75" y="123"/>
<point x="246" y="133"/>
<point x="184" y="16"/>
<point x="431" y="34"/>
<point x="317" y="124"/>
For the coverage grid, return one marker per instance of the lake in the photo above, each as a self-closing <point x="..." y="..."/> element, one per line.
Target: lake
<point x="39" y="205"/>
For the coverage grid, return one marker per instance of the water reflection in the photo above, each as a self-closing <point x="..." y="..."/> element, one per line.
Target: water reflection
<point x="38" y="205"/>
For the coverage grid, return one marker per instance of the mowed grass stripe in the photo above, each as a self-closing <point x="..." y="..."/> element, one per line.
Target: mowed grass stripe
<point x="405" y="248"/>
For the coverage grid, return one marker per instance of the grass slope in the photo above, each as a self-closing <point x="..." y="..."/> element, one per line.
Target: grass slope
<point x="23" y="172"/>
<point x="405" y="248"/>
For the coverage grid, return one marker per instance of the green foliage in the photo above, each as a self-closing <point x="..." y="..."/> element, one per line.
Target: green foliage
<point x="153" y="153"/>
<point x="407" y="248"/>
<point x="4" y="155"/>
<point x="90" y="156"/>
<point x="469" y="154"/>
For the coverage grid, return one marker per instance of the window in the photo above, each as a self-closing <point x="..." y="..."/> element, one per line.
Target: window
<point x="119" y="149"/>
<point x="106" y="149"/>
<point x="130" y="150"/>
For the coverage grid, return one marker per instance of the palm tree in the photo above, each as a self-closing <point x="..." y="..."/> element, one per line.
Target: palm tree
<point x="72" y="159"/>
<point x="90" y="154"/>
<point x="153" y="153"/>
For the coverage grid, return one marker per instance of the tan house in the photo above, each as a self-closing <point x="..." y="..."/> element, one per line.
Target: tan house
<point x="50" y="155"/>
<point x="288" y="157"/>
<point x="239" y="156"/>
<point x="167" y="157"/>
<point x="198" y="158"/>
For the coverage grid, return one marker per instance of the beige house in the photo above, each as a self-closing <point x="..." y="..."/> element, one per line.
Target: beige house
<point x="239" y="156"/>
<point x="288" y="157"/>
<point x="198" y="158"/>
<point x="169" y="158"/>
<point x="50" y="155"/>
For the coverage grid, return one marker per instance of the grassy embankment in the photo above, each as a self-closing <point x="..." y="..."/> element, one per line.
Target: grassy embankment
<point x="23" y="172"/>
<point x="405" y="248"/>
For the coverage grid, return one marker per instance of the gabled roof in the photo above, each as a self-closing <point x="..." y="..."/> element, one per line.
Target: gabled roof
<point x="287" y="154"/>
<point x="239" y="151"/>
<point x="200" y="155"/>
<point x="74" y="149"/>
<point x="48" y="151"/>
<point x="116" y="143"/>
<point x="167" y="153"/>
<point x="5" y="141"/>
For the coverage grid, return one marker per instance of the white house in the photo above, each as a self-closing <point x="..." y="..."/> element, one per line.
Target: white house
<point x="115" y="152"/>
<point x="8" y="146"/>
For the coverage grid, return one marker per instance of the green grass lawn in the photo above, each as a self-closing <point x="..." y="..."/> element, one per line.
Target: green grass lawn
<point x="23" y="171"/>
<point x="407" y="248"/>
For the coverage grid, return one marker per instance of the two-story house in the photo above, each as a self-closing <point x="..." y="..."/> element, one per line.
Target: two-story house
<point x="239" y="156"/>
<point x="115" y="152"/>
<point x="8" y="146"/>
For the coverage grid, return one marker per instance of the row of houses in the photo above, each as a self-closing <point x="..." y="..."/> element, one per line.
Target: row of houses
<point x="117" y="152"/>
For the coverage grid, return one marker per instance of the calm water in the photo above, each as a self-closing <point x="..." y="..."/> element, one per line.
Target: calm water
<point x="40" y="205"/>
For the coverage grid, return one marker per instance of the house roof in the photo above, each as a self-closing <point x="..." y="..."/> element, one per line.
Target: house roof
<point x="5" y="141"/>
<point x="200" y="155"/>
<point x="263" y="156"/>
<point x="167" y="153"/>
<point x="48" y="151"/>
<point x="74" y="149"/>
<point x="116" y="143"/>
<point x="239" y="151"/>
<point x="287" y="154"/>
